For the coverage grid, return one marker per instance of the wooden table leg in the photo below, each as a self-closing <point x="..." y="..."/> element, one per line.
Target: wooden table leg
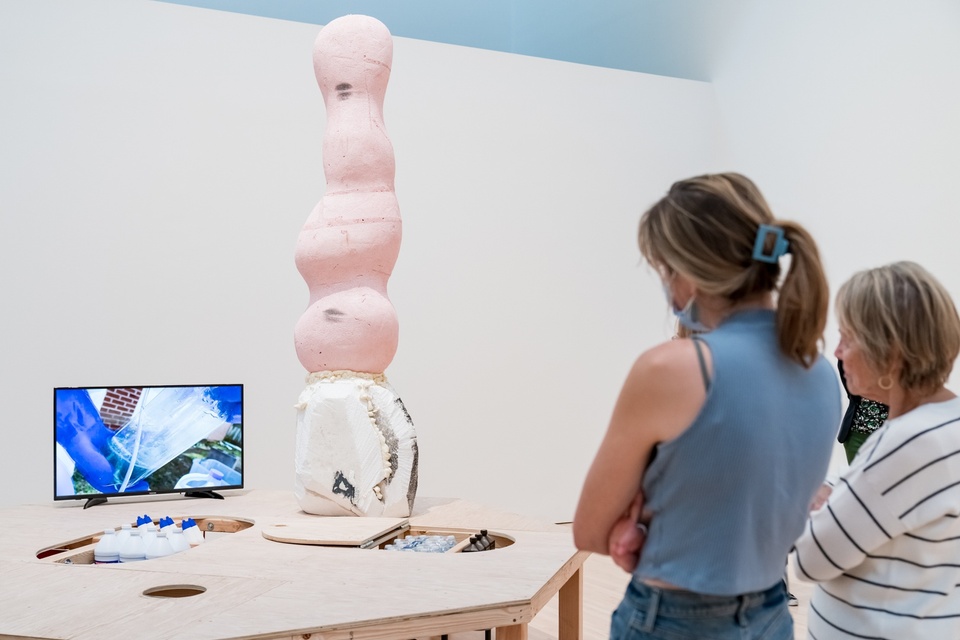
<point x="513" y="632"/>
<point x="571" y="607"/>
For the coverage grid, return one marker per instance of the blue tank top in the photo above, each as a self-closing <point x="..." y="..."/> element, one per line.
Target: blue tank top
<point x="730" y="495"/>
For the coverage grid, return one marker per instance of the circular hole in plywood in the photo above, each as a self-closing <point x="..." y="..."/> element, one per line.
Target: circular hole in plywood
<point x="175" y="591"/>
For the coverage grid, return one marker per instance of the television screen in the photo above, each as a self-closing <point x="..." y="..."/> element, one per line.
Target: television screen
<point x="112" y="441"/>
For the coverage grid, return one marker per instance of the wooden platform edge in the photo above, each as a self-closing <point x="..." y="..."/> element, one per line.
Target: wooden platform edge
<point x="404" y="628"/>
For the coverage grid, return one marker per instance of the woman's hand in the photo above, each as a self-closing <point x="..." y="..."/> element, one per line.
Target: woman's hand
<point x="627" y="536"/>
<point x="820" y="497"/>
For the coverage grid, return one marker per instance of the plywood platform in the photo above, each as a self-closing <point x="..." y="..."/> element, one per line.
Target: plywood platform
<point x="250" y="587"/>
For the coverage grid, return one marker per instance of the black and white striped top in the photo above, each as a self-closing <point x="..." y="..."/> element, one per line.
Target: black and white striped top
<point x="886" y="546"/>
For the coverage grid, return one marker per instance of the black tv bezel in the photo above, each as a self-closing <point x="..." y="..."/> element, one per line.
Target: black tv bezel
<point x="98" y="498"/>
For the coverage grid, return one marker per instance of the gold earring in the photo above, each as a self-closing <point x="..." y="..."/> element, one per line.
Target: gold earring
<point x="888" y="385"/>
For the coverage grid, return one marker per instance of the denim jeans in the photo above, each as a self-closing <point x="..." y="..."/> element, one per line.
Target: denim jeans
<point x="649" y="613"/>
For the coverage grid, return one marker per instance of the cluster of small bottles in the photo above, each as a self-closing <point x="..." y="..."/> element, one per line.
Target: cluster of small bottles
<point x="422" y="544"/>
<point x="440" y="544"/>
<point x="480" y="542"/>
<point x="146" y="541"/>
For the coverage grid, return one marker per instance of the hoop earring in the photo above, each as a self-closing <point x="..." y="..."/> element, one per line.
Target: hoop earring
<point x="888" y="385"/>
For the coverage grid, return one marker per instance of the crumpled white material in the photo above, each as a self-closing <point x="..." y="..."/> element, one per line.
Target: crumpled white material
<point x="356" y="450"/>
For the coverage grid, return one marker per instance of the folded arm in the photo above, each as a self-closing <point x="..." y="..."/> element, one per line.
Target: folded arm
<point x="660" y="398"/>
<point x="853" y="522"/>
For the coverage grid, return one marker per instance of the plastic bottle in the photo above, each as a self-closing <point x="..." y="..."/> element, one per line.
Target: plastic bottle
<point x="192" y="532"/>
<point x="486" y="542"/>
<point x="143" y="521"/>
<point x="132" y="549"/>
<point x="107" y="551"/>
<point x="123" y="534"/>
<point x="148" y="531"/>
<point x="166" y="524"/>
<point x="159" y="548"/>
<point x="472" y="546"/>
<point x="178" y="542"/>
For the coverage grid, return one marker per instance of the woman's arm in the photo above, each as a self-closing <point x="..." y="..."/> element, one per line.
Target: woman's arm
<point x="660" y="398"/>
<point x="854" y="521"/>
<point x="628" y="535"/>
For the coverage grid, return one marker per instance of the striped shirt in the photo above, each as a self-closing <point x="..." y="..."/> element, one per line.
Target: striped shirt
<point x="886" y="546"/>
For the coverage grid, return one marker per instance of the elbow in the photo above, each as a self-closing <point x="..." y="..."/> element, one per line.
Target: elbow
<point x="814" y="566"/>
<point x="586" y="540"/>
<point x="798" y="570"/>
<point x="579" y="540"/>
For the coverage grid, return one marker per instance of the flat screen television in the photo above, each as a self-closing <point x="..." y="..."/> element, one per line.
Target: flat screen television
<point x="129" y="441"/>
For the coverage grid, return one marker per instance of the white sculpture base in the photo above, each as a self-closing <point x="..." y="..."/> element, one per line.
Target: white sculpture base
<point x="356" y="450"/>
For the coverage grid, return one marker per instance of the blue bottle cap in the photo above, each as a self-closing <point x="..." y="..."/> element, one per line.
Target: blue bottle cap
<point x="166" y="520"/>
<point x="143" y="520"/>
<point x="186" y="523"/>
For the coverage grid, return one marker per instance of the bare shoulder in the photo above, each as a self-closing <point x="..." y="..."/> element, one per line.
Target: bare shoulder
<point x="671" y="362"/>
<point x="666" y="386"/>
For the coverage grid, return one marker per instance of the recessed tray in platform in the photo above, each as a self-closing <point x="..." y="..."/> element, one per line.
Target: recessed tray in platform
<point x="80" y="550"/>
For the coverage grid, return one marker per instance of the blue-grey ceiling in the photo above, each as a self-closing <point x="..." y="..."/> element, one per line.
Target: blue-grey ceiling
<point x="679" y="38"/>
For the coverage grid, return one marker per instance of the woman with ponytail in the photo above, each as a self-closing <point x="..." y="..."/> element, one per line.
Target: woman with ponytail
<point x="718" y="440"/>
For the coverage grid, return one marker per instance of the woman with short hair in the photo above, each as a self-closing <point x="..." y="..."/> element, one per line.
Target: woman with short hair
<point x="727" y="430"/>
<point x="885" y="547"/>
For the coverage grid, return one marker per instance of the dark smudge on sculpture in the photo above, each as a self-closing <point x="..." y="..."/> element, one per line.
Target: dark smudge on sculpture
<point x="352" y="429"/>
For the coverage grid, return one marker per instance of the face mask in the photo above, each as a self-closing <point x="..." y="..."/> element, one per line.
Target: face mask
<point x="689" y="316"/>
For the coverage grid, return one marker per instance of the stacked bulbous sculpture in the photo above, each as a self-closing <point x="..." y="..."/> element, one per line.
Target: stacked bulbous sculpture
<point x="356" y="449"/>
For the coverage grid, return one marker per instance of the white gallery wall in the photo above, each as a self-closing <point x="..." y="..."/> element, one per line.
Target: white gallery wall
<point x="847" y="114"/>
<point x="157" y="162"/>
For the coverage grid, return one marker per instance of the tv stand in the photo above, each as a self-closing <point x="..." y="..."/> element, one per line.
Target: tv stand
<point x="203" y="494"/>
<point x="92" y="502"/>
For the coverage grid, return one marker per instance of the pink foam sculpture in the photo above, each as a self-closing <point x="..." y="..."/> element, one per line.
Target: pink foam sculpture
<point x="356" y="450"/>
<point x="349" y="245"/>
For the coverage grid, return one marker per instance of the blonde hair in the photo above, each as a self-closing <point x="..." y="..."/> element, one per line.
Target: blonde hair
<point x="706" y="227"/>
<point x="900" y="314"/>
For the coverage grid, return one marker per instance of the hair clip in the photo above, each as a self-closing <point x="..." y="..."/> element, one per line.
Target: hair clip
<point x="780" y="246"/>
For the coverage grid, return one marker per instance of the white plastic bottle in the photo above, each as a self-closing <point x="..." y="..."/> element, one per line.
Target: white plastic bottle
<point x="192" y="532"/>
<point x="107" y="551"/>
<point x="148" y="531"/>
<point x="178" y="542"/>
<point x="123" y="534"/>
<point x="167" y="524"/>
<point x="159" y="547"/>
<point x="132" y="548"/>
